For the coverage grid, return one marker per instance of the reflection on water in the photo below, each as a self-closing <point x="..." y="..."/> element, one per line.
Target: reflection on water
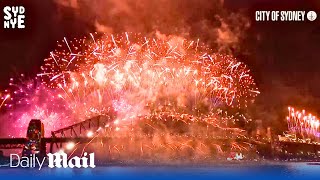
<point x="236" y="171"/>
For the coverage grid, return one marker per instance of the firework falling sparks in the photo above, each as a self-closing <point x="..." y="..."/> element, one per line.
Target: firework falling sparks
<point x="302" y="123"/>
<point x="131" y="76"/>
<point x="174" y="135"/>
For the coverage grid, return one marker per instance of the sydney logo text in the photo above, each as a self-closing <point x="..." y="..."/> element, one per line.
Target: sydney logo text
<point x="14" y="17"/>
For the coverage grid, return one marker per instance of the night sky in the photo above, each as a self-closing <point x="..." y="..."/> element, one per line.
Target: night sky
<point x="284" y="56"/>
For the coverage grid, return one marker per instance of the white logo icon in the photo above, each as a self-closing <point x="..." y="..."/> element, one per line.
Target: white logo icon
<point x="311" y="15"/>
<point x="14" y="17"/>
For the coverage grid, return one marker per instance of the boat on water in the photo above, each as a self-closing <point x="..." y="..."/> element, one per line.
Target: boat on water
<point x="314" y="163"/>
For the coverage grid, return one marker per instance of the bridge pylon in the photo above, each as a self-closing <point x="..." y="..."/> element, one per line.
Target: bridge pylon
<point x="34" y="143"/>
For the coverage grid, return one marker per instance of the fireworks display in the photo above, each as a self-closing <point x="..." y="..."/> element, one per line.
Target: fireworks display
<point x="129" y="76"/>
<point x="303" y="124"/>
<point x="114" y="67"/>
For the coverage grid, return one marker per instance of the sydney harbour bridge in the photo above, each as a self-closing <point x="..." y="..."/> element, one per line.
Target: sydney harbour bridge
<point x="83" y="133"/>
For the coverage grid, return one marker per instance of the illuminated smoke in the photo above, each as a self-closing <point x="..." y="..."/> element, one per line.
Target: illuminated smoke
<point x="216" y="25"/>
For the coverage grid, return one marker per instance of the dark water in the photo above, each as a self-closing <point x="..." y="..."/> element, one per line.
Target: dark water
<point x="227" y="171"/>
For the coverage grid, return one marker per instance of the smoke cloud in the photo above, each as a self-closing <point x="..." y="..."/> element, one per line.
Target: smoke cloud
<point x="208" y="20"/>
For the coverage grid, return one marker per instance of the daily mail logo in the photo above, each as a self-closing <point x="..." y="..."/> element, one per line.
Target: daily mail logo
<point x="56" y="160"/>
<point x="14" y="17"/>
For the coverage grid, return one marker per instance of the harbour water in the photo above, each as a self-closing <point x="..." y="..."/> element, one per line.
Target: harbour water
<point x="222" y="171"/>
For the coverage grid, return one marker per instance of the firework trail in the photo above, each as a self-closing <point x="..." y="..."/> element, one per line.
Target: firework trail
<point x="4" y="100"/>
<point x="132" y="76"/>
